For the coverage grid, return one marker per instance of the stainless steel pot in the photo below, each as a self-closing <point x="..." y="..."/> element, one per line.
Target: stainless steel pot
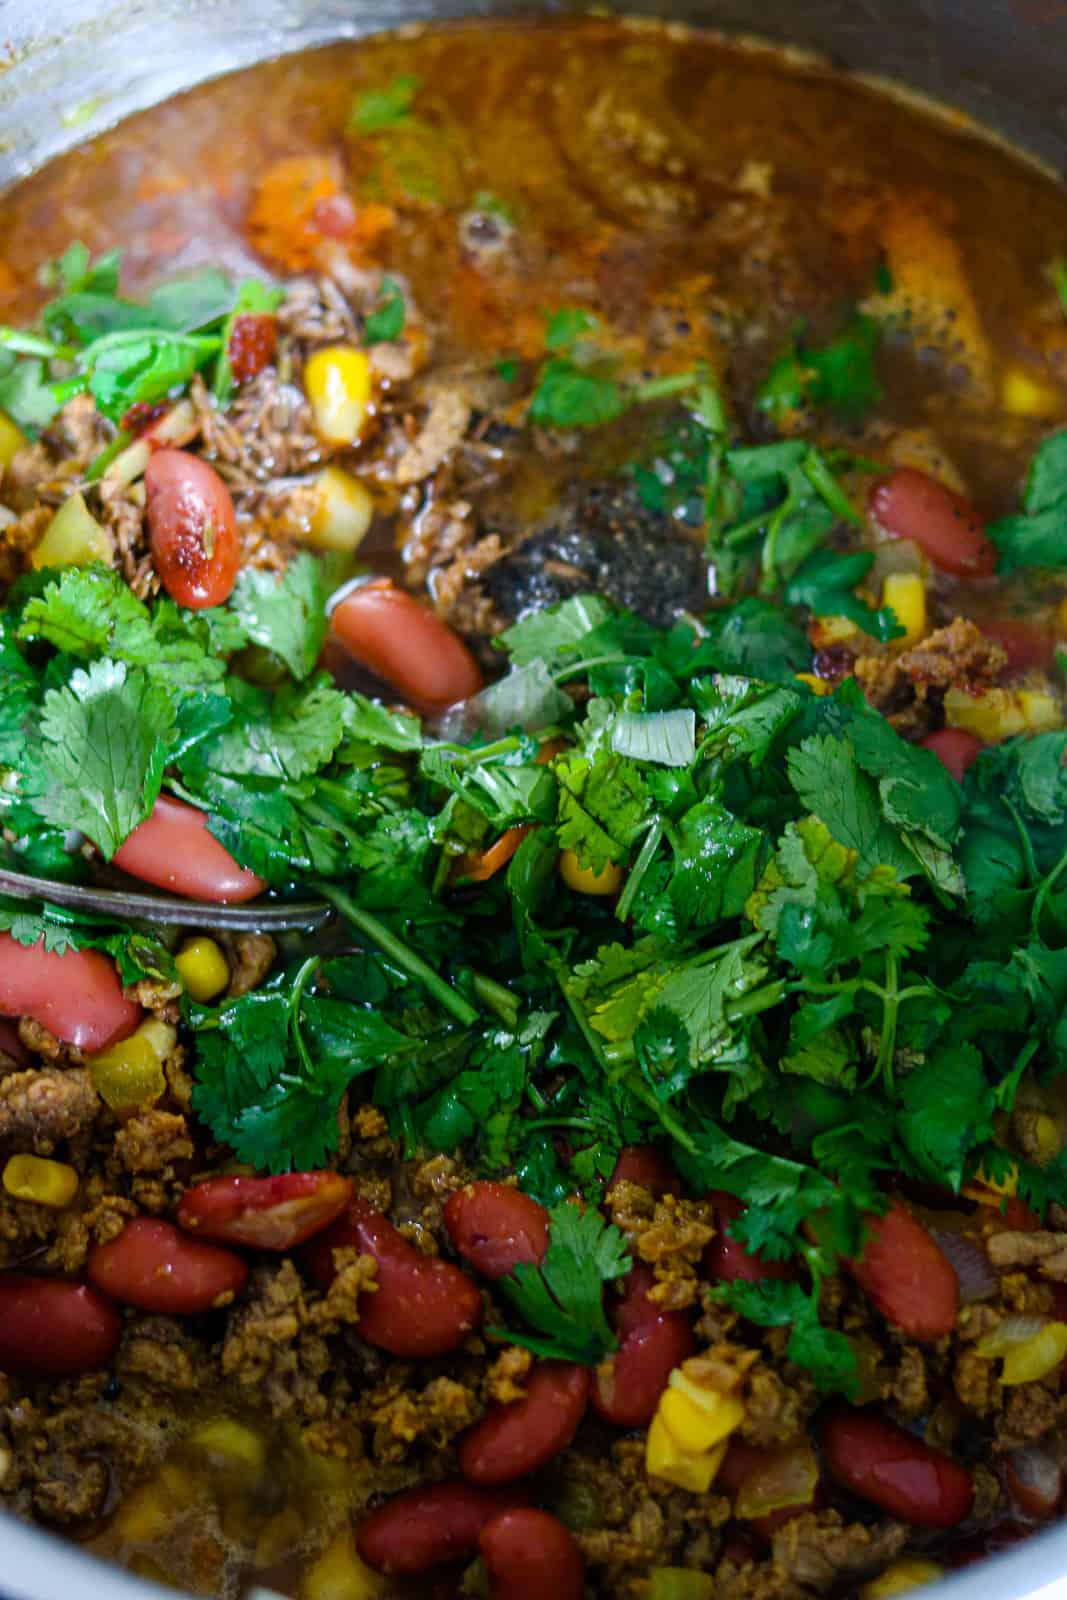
<point x="69" y="68"/>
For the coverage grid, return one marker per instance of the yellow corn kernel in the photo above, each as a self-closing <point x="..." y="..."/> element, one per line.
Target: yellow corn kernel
<point x="905" y="593"/>
<point x="819" y="686"/>
<point x="1037" y="1357"/>
<point x="202" y="968"/>
<point x="338" y="384"/>
<point x="73" y="538"/>
<point x="49" y="1183"/>
<point x="665" y="1458"/>
<point x="1041" y="712"/>
<point x="339" y="1574"/>
<point x="12" y="440"/>
<point x="230" y="1441"/>
<point x="992" y="716"/>
<point x="825" y="631"/>
<point x="697" y="1425"/>
<point x="129" y="1074"/>
<point x="1026" y="396"/>
<point x="909" y="1572"/>
<point x="343" y="512"/>
<point x="583" y="880"/>
<point x="145" y="1515"/>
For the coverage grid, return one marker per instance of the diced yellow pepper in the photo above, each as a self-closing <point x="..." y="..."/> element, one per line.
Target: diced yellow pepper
<point x="826" y="631"/>
<point x="12" y="440"/>
<point x="583" y="880"/>
<point x="129" y="1074"/>
<point x="73" y="538"/>
<point x="202" y="968"/>
<point x="665" y="1458"/>
<point x="998" y="714"/>
<point x="679" y="1583"/>
<point x="231" y="1441"/>
<point x="339" y="1574"/>
<point x="1037" y="1357"/>
<point x="343" y="512"/>
<point x="909" y="1572"/>
<point x="818" y="686"/>
<point x="1026" y="396"/>
<point x="699" y="1425"/>
<point x="49" y="1183"/>
<point x="905" y="593"/>
<point x="337" y="381"/>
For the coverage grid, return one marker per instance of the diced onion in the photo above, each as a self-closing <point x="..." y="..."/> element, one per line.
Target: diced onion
<point x="1032" y="1348"/>
<point x="787" y="1477"/>
<point x="970" y="1263"/>
<point x="1035" y="1480"/>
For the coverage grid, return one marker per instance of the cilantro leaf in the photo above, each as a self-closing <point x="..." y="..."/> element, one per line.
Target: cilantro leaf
<point x="569" y="396"/>
<point x="1037" y="536"/>
<point x="286" y="614"/>
<point x="563" y="1297"/>
<point x="826" y="582"/>
<point x="99" y="764"/>
<point x="376" y="110"/>
<point x="948" y="1110"/>
<point x="827" y="1354"/>
<point x="839" y="376"/>
<point x="567" y="326"/>
<point x="386" y="322"/>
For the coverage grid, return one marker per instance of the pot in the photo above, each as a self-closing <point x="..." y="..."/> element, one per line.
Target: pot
<point x="69" y="68"/>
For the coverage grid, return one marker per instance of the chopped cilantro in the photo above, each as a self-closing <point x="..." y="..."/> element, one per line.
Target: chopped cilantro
<point x="377" y="110"/>
<point x="563" y="1298"/>
<point x="387" y="320"/>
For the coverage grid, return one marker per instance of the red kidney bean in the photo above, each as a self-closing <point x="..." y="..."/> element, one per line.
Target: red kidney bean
<point x="253" y="341"/>
<point x="53" y="1329"/>
<point x="420" y="1308"/>
<point x="76" y="995"/>
<point x="192" y="529"/>
<point x="428" y="1526"/>
<point x="402" y="642"/>
<point x="726" y="1260"/>
<point x="955" y="748"/>
<point x="513" y="1440"/>
<point x="334" y="216"/>
<point x="530" y="1555"/>
<point x="174" y="849"/>
<point x="880" y="1462"/>
<point x="1026" y="644"/>
<point x="645" y="1165"/>
<point x="910" y="505"/>
<point x="907" y="1275"/>
<point x="158" y="1268"/>
<point x="265" y="1213"/>
<point x="495" y="1228"/>
<point x="652" y="1342"/>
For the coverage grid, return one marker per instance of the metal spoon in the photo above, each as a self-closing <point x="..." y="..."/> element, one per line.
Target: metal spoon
<point x="126" y="906"/>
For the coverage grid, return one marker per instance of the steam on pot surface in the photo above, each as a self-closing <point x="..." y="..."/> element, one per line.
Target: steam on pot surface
<point x="587" y="504"/>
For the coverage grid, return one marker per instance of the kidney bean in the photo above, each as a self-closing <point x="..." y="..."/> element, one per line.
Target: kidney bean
<point x="726" y="1260"/>
<point x="402" y="642"/>
<point x="882" y="1463"/>
<point x="955" y="748"/>
<point x="53" y="1329"/>
<point x="645" y="1165"/>
<point x="430" y="1525"/>
<point x="174" y="849"/>
<point x="158" y="1268"/>
<point x="530" y="1555"/>
<point x="192" y="529"/>
<point x="907" y="1275"/>
<point x="253" y="341"/>
<point x="495" y="1227"/>
<point x="512" y="1440"/>
<point x="652" y="1342"/>
<point x="910" y="505"/>
<point x="265" y="1213"/>
<point x="1027" y="644"/>
<point x="420" y="1308"/>
<point x="76" y="995"/>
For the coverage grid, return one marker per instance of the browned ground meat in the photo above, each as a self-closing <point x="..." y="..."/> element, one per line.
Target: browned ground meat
<point x="40" y="1109"/>
<point x="909" y="688"/>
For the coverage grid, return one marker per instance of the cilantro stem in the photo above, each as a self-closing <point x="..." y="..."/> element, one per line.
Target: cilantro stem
<point x="34" y="344"/>
<point x="891" y="1007"/>
<point x="1006" y="1090"/>
<point x="100" y="463"/>
<point x="640" y="867"/>
<point x="496" y="996"/>
<point x="669" y="1121"/>
<point x="1041" y="898"/>
<point x="1024" y="841"/>
<point x="398" y="951"/>
<point x="1059" y="279"/>
<point x="827" y="487"/>
<point x="580" y="668"/>
<point x="296" y="995"/>
<point x="662" y="388"/>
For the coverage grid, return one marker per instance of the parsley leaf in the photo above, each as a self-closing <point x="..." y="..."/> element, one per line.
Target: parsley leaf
<point x="563" y="1297"/>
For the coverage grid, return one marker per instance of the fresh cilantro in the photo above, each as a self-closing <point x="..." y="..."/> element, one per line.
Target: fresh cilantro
<point x="563" y="1298"/>
<point x="825" y="1353"/>
<point x="507" y="369"/>
<point x="387" y="320"/>
<point x="254" y="298"/>
<point x="285" y="614"/>
<point x="1037" y="536"/>
<point x="665" y="737"/>
<point x="839" y="376"/>
<point x="567" y="326"/>
<point x="569" y="396"/>
<point x="826" y="584"/>
<point x="377" y="110"/>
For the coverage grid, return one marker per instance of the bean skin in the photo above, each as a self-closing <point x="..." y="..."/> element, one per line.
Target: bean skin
<point x="627" y="1387"/>
<point x="76" y="995"/>
<point x="909" y="504"/>
<point x="645" y="1165"/>
<point x="530" y="1555"/>
<point x="907" y="1276"/>
<point x="154" y="1266"/>
<point x="515" y="1439"/>
<point x="53" y="1329"/>
<point x="495" y="1227"/>
<point x="430" y="1525"/>
<point x="421" y="1307"/>
<point x="192" y="529"/>
<point x="174" y="849"/>
<point x="873" y="1458"/>
<point x="404" y="643"/>
<point x="265" y="1213"/>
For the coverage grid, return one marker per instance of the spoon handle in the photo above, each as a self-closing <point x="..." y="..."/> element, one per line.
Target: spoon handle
<point x="124" y="906"/>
